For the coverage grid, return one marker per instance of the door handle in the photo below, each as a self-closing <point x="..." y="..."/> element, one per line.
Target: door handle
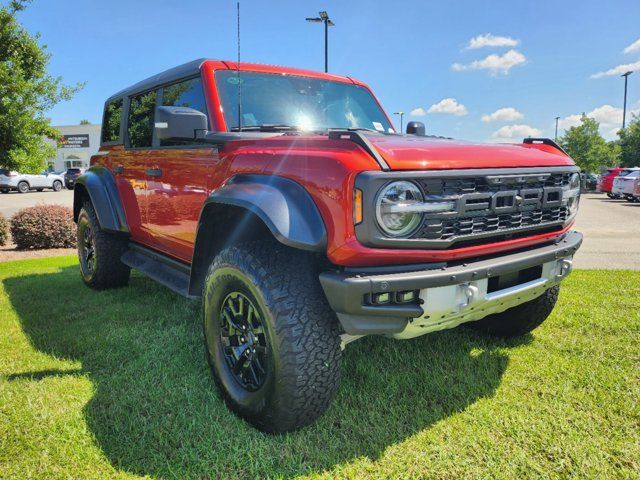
<point x="118" y="169"/>
<point x="153" y="172"/>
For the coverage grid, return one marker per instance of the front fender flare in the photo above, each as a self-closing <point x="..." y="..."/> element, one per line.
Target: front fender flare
<point x="100" y="186"/>
<point x="283" y="205"/>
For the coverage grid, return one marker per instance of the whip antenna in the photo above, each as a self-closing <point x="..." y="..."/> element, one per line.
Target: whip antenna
<point x="238" y="74"/>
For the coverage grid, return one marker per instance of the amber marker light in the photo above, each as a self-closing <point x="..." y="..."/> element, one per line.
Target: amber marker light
<point x="357" y="206"/>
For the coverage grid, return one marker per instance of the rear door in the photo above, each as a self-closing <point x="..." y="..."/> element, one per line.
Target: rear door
<point x="178" y="174"/>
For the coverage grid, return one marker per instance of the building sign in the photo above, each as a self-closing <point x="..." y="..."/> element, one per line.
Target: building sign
<point x="74" y="141"/>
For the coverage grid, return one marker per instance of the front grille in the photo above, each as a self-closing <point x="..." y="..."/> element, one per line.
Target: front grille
<point x="486" y="222"/>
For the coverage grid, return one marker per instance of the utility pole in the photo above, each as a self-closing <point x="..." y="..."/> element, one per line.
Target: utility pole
<point x="324" y="18"/>
<point x="624" y="107"/>
<point x="401" y="117"/>
<point x="556" y="137"/>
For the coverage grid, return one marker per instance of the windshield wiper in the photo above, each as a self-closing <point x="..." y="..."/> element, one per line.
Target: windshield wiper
<point x="266" y="128"/>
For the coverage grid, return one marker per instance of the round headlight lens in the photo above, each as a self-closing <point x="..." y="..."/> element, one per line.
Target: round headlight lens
<point x="390" y="203"/>
<point x="574" y="182"/>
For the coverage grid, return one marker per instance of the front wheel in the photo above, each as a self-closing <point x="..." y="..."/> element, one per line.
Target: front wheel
<point x="99" y="253"/>
<point x="520" y="319"/>
<point x="271" y="338"/>
<point x="23" y="187"/>
<point x="57" y="186"/>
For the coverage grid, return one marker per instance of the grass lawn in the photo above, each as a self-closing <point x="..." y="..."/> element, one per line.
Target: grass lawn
<point x="114" y="384"/>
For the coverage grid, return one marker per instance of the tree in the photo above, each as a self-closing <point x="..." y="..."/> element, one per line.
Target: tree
<point x="26" y="92"/>
<point x="586" y="146"/>
<point x="630" y="143"/>
<point x="85" y="122"/>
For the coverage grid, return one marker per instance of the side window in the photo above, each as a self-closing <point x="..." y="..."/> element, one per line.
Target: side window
<point x="188" y="93"/>
<point x="111" y="122"/>
<point x="141" y="119"/>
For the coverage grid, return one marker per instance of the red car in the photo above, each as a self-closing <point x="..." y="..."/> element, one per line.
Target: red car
<point x="285" y="200"/>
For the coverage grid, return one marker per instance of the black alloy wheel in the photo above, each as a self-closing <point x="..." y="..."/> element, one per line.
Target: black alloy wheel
<point x="244" y="340"/>
<point x="87" y="251"/>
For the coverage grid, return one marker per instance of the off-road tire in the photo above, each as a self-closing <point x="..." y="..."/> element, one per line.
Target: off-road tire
<point x="107" y="270"/>
<point x="23" y="187"/>
<point x="302" y="336"/>
<point x="521" y="319"/>
<point x="57" y="186"/>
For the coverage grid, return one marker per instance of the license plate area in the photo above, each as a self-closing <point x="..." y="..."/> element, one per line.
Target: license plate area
<point x="507" y="280"/>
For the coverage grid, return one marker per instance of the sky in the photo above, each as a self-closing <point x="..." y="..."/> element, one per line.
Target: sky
<point x="470" y="69"/>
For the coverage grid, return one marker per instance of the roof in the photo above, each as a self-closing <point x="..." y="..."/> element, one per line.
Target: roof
<point x="193" y="68"/>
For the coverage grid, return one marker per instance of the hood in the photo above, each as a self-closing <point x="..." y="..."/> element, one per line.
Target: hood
<point x="422" y="153"/>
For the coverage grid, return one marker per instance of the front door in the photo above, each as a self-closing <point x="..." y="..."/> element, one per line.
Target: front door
<point x="178" y="175"/>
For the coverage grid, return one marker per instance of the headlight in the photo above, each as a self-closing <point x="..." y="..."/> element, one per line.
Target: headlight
<point x="571" y="195"/>
<point x="394" y="211"/>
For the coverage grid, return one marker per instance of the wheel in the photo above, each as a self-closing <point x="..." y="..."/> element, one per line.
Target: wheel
<point x="520" y="319"/>
<point x="23" y="187"/>
<point x="57" y="185"/>
<point x="99" y="253"/>
<point x="39" y="189"/>
<point x="271" y="339"/>
<point x="4" y="190"/>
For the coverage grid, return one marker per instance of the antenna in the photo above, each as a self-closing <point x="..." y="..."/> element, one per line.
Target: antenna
<point x="238" y="74"/>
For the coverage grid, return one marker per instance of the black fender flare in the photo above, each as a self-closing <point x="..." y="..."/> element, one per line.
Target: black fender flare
<point x="99" y="184"/>
<point x="283" y="205"/>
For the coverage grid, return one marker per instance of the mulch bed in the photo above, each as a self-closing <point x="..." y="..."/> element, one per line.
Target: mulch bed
<point x="9" y="252"/>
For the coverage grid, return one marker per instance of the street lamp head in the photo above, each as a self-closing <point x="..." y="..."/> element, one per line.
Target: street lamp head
<point x="398" y="113"/>
<point x="626" y="74"/>
<point x="323" y="15"/>
<point x="330" y="23"/>
<point x="314" y="20"/>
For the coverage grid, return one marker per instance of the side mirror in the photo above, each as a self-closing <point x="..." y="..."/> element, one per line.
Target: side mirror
<point x="416" y="128"/>
<point x="179" y="123"/>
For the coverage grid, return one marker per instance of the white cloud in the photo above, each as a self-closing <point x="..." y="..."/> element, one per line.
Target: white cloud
<point x="506" y="114"/>
<point x="609" y="118"/>
<point x="517" y="132"/>
<point x="619" y="70"/>
<point x="494" y="63"/>
<point x="489" y="40"/>
<point x="418" y="112"/>
<point x="633" y="48"/>
<point x="448" y="105"/>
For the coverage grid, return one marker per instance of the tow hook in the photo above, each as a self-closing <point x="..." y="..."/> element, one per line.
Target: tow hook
<point x="469" y="294"/>
<point x="564" y="268"/>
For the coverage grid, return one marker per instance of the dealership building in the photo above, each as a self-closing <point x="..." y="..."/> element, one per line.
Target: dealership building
<point x="75" y="146"/>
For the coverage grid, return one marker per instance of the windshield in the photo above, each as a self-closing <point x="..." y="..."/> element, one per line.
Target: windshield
<point x="299" y="102"/>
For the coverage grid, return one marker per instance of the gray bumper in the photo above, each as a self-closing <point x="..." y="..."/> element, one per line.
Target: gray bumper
<point x="467" y="297"/>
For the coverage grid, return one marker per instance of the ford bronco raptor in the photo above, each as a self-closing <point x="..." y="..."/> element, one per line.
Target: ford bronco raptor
<point x="287" y="203"/>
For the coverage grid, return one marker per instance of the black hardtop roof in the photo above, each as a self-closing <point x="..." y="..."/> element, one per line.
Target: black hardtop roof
<point x="175" y="73"/>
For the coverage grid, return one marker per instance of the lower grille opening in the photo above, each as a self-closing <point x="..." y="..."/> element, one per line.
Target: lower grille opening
<point x="514" y="278"/>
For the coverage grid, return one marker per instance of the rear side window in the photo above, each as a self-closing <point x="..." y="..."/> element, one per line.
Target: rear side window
<point x="111" y="121"/>
<point x="187" y="93"/>
<point x="141" y="118"/>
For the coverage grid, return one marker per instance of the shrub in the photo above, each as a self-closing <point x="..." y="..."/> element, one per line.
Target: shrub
<point x="43" y="226"/>
<point x="4" y="231"/>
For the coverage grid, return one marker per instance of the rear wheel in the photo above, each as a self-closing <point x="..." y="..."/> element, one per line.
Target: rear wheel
<point x="57" y="186"/>
<point x="271" y="339"/>
<point x="23" y="187"/>
<point x="99" y="253"/>
<point x="521" y="319"/>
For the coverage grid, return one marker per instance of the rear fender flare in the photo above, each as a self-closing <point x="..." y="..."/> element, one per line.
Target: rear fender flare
<point x="99" y="185"/>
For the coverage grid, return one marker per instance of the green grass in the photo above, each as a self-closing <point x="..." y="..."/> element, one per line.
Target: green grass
<point x="114" y="384"/>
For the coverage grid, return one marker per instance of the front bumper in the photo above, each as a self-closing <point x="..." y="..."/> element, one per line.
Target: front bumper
<point x="449" y="295"/>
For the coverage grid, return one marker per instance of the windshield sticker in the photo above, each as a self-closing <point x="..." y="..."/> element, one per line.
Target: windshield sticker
<point x="378" y="126"/>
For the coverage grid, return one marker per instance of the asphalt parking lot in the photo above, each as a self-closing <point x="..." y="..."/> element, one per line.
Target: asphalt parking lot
<point x="611" y="228"/>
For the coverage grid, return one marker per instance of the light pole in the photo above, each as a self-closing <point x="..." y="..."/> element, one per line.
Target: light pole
<point x="556" y="138"/>
<point x="324" y="18"/>
<point x="401" y="116"/>
<point x="624" y="107"/>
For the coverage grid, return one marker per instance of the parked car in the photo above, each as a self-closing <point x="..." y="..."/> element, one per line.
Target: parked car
<point x="589" y="182"/>
<point x="605" y="183"/>
<point x="70" y="177"/>
<point x="23" y="182"/>
<point x="624" y="186"/>
<point x="313" y="223"/>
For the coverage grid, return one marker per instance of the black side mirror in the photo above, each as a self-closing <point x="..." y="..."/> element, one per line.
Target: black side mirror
<point x="179" y="123"/>
<point x="416" y="128"/>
